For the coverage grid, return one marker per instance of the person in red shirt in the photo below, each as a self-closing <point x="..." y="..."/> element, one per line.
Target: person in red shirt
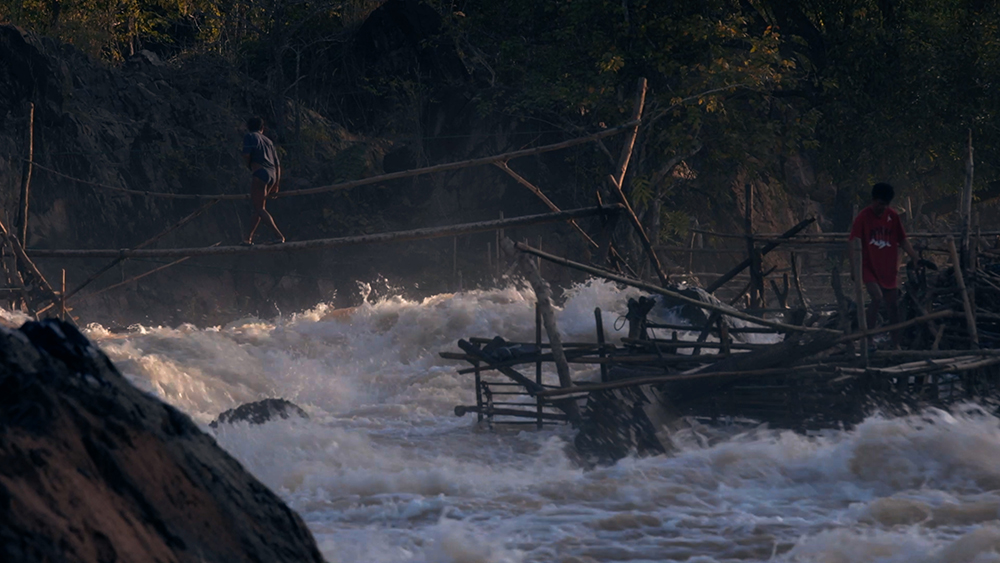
<point x="882" y="235"/>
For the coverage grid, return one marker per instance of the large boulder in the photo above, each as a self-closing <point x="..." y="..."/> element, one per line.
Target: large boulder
<point x="92" y="469"/>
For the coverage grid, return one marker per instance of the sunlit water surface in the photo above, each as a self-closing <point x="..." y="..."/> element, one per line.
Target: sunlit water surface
<point x="384" y="472"/>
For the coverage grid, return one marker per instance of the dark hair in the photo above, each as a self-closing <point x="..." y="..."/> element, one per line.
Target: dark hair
<point x="883" y="192"/>
<point x="255" y="124"/>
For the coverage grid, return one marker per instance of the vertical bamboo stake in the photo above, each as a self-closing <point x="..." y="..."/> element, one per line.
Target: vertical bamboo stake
<point x="454" y="263"/>
<point x="751" y="253"/>
<point x="62" y="297"/>
<point x="966" y="204"/>
<point x="22" y="211"/>
<point x="538" y="364"/>
<point x="598" y="319"/>
<point x="970" y="315"/>
<point x="859" y="296"/>
<point x="479" y="389"/>
<point x="500" y="236"/>
<point x="724" y="337"/>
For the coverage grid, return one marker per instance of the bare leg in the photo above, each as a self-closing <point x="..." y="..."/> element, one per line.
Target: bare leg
<point x="892" y="307"/>
<point x="258" y="195"/>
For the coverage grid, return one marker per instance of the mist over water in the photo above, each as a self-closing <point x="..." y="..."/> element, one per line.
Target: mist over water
<point x="384" y="472"/>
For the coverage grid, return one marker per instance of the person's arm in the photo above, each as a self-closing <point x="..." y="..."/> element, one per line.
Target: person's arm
<point x="246" y="160"/>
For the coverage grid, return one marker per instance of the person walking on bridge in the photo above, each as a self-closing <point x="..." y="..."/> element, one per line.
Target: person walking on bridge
<point x="882" y="235"/>
<point x="265" y="168"/>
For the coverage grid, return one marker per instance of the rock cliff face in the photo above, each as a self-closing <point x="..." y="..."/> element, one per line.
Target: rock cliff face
<point x="92" y="469"/>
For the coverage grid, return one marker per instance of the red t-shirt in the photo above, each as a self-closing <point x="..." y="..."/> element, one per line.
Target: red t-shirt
<point x="880" y="237"/>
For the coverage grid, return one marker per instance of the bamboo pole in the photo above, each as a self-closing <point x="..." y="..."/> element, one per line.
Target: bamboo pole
<point x="397" y="236"/>
<point x="782" y="327"/>
<point x="543" y="296"/>
<point x="859" y="295"/>
<point x="26" y="264"/>
<point x="966" y="205"/>
<point x="137" y="277"/>
<point x="970" y="315"/>
<point x="763" y="251"/>
<point x="599" y="321"/>
<point x="143" y="244"/>
<point x="22" y="210"/>
<point x="374" y="179"/>
<point x="538" y="363"/>
<point x="618" y="178"/>
<point x="755" y="275"/>
<point x="541" y="195"/>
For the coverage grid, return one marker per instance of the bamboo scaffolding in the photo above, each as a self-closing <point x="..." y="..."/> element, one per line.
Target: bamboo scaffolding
<point x="763" y="251"/>
<point x="543" y="296"/>
<point x="781" y="327"/>
<point x="397" y="236"/>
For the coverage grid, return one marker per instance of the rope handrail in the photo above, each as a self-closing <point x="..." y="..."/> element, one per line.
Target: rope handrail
<point x="365" y="181"/>
<point x="297" y="246"/>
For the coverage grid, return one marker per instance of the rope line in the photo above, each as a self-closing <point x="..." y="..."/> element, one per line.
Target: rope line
<point x="364" y="181"/>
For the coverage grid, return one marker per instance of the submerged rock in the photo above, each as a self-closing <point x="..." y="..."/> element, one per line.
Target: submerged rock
<point x="92" y="469"/>
<point x="259" y="412"/>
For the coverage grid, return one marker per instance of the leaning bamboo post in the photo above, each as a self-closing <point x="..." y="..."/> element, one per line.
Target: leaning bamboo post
<point x="28" y="267"/>
<point x="637" y="107"/>
<point x="22" y="209"/>
<point x="618" y="178"/>
<point x="543" y="296"/>
<point x="859" y="295"/>
<point x="140" y="276"/>
<point x="541" y="195"/>
<point x="970" y="315"/>
<point x="763" y="251"/>
<point x="62" y="297"/>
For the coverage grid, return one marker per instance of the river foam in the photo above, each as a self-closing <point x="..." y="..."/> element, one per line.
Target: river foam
<point x="384" y="472"/>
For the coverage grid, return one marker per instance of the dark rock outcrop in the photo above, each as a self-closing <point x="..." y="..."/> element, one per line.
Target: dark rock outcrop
<point x="92" y="469"/>
<point x="259" y="412"/>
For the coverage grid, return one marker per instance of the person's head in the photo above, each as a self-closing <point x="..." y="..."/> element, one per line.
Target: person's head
<point x="255" y="124"/>
<point x="882" y="195"/>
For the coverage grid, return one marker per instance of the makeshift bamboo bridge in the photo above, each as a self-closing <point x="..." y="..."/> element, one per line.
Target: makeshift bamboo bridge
<point x="28" y="288"/>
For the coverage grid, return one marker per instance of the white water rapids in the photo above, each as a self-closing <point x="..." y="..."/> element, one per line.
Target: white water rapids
<point x="384" y="472"/>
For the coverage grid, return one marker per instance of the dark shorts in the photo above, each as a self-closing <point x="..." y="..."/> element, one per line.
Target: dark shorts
<point x="265" y="175"/>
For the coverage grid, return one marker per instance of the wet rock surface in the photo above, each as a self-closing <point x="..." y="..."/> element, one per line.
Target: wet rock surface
<point x="92" y="469"/>
<point x="259" y="412"/>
